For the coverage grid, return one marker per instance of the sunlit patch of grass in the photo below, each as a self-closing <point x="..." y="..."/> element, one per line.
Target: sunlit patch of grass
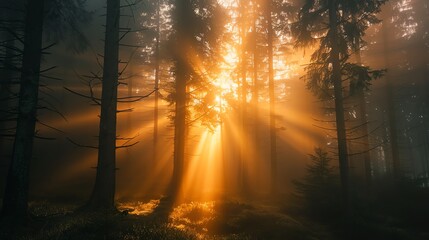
<point x="233" y="220"/>
<point x="194" y="216"/>
<point x="138" y="208"/>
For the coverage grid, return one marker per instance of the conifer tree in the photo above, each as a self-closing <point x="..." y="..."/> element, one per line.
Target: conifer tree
<point x="66" y="15"/>
<point x="319" y="188"/>
<point x="331" y="24"/>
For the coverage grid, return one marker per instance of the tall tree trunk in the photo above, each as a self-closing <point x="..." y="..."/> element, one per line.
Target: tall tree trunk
<point x="339" y="106"/>
<point x="15" y="201"/>
<point x="157" y="63"/>
<point x="393" y="136"/>
<point x="242" y="174"/>
<point x="182" y="73"/>
<point x="255" y="89"/>
<point x="273" y="138"/>
<point x="7" y="75"/>
<point x="366" y="147"/>
<point x="364" y="124"/>
<point x="103" y="195"/>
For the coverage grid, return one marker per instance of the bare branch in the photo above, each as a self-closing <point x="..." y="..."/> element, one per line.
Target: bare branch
<point x="80" y="145"/>
<point x="366" y="151"/>
<point x="134" y="98"/>
<point x="95" y="100"/>
<point x="127" y="146"/>
<point x="48" y="126"/>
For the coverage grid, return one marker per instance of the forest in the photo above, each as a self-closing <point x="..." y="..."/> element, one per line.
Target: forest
<point x="214" y="119"/>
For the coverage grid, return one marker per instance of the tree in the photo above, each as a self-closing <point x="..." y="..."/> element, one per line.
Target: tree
<point x="258" y="22"/>
<point x="15" y="202"/>
<point x="184" y="40"/>
<point x="103" y="194"/>
<point x="363" y="122"/>
<point x="393" y="135"/>
<point x="157" y="78"/>
<point x="358" y="95"/>
<point x="331" y="22"/>
<point x="276" y="15"/>
<point x="273" y="138"/>
<point x="319" y="189"/>
<point x="245" y="18"/>
<point x="196" y="41"/>
<point x="10" y="58"/>
<point x="156" y="22"/>
<point x="16" y="193"/>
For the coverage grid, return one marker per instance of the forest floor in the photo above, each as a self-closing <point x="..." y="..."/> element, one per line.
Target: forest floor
<point x="154" y="220"/>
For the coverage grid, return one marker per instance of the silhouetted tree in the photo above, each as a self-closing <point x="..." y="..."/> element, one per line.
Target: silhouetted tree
<point x="15" y="202"/>
<point x="157" y="77"/>
<point x="183" y="16"/>
<point x="103" y="194"/>
<point x="243" y="65"/>
<point x="10" y="58"/>
<point x="16" y="193"/>
<point x="156" y="20"/>
<point x="277" y="14"/>
<point x="331" y="22"/>
<point x="319" y="190"/>
<point x="273" y="138"/>
<point x="195" y="44"/>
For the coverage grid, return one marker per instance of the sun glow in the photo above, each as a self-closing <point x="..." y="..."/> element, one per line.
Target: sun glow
<point x="228" y="3"/>
<point x="202" y="178"/>
<point x="226" y="87"/>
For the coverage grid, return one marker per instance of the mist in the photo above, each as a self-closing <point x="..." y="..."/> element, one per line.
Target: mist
<point x="214" y="119"/>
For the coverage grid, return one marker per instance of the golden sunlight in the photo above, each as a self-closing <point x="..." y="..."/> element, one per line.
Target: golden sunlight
<point x="215" y="119"/>
<point x="228" y="3"/>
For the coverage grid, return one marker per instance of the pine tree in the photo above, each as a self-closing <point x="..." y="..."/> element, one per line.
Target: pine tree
<point x="331" y="24"/>
<point x="15" y="203"/>
<point x="319" y="189"/>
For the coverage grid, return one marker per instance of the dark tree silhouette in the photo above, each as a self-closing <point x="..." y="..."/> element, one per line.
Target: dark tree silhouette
<point x="276" y="14"/>
<point x="319" y="189"/>
<point x="10" y="58"/>
<point x="183" y="18"/>
<point x="103" y="194"/>
<point x="157" y="78"/>
<point x="273" y="137"/>
<point x="197" y="30"/>
<point x="15" y="203"/>
<point x="16" y="193"/>
<point x="331" y="22"/>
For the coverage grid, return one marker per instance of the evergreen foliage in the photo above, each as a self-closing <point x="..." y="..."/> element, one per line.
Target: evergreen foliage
<point x="354" y="18"/>
<point x="319" y="189"/>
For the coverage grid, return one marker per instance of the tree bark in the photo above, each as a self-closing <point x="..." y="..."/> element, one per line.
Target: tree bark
<point x="273" y="138"/>
<point x="184" y="39"/>
<point x="339" y="106"/>
<point x="242" y="171"/>
<point x="255" y="87"/>
<point x="393" y="136"/>
<point x="7" y="75"/>
<point x="364" y="123"/>
<point x="103" y="195"/>
<point x="157" y="63"/>
<point x="15" y="201"/>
